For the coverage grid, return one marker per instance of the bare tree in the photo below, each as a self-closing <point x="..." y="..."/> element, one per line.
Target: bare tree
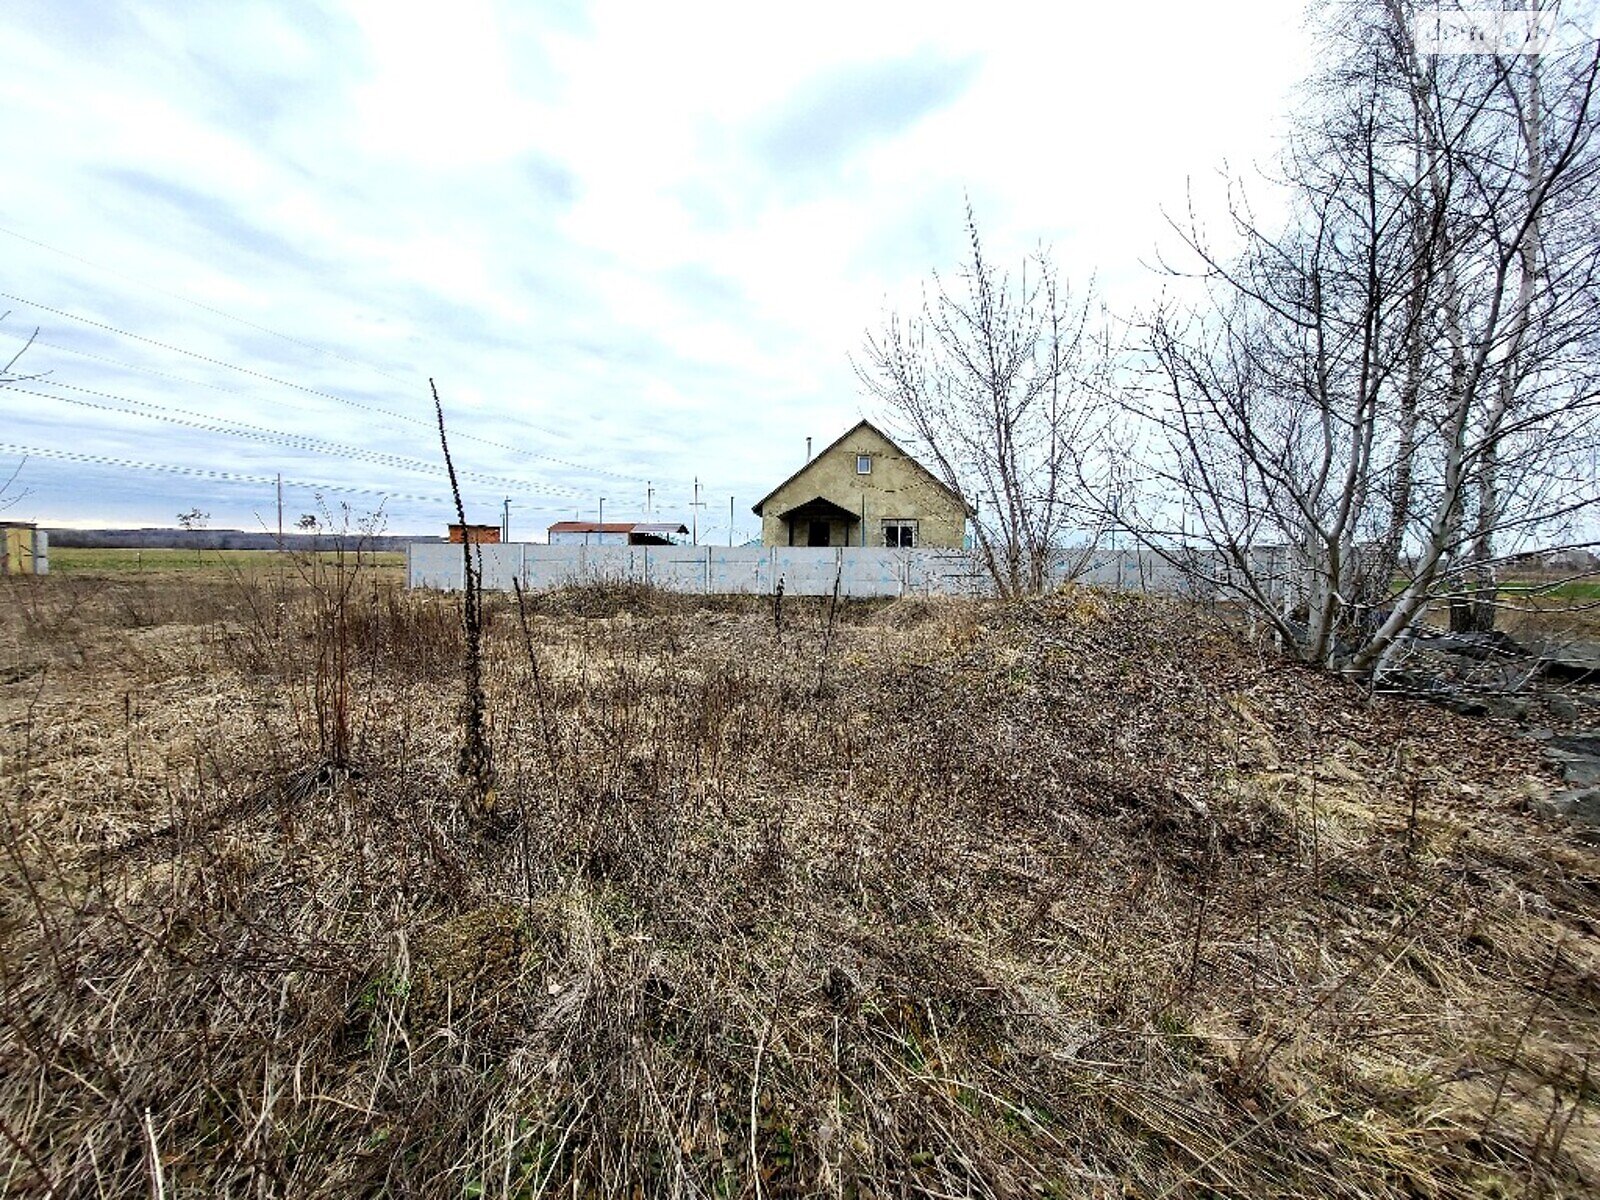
<point x="995" y="381"/>
<point x="8" y="498"/>
<point x="9" y="375"/>
<point x="1397" y="380"/>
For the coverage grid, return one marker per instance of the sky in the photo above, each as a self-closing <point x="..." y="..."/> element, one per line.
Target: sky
<point x="634" y="245"/>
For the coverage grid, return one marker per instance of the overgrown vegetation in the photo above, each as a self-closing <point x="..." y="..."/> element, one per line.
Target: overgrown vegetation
<point x="72" y="560"/>
<point x="1366" y="394"/>
<point x="1084" y="896"/>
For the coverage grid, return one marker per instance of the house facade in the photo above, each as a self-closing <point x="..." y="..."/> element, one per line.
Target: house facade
<point x="863" y="490"/>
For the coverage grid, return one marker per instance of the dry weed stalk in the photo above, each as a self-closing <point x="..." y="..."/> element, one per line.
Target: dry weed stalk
<point x="477" y="762"/>
<point x="935" y="929"/>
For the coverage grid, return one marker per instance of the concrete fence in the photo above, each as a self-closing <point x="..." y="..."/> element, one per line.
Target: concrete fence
<point x="756" y="570"/>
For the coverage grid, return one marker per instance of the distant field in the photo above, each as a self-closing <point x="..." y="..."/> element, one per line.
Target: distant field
<point x="197" y="562"/>
<point x="1572" y="590"/>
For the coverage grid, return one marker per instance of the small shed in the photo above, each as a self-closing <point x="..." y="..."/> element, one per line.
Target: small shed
<point x="24" y="549"/>
<point x="614" y="533"/>
<point x="476" y="534"/>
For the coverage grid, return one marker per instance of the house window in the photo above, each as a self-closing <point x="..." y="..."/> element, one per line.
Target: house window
<point x="863" y="464"/>
<point x="900" y="535"/>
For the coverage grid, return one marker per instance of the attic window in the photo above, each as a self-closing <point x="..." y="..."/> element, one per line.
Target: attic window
<point x="863" y="464"/>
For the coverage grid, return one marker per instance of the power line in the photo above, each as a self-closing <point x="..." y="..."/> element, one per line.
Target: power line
<point x="218" y="476"/>
<point x="293" y="441"/>
<point x="311" y="391"/>
<point x="285" y="337"/>
<point x="206" y="358"/>
<point x="222" y="476"/>
<point x="217" y="387"/>
<point x="153" y="373"/>
<point x="145" y="283"/>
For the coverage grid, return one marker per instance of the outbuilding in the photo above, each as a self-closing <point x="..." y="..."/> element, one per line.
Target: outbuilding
<point x="24" y="549"/>
<point x="477" y="535"/>
<point x="614" y="533"/>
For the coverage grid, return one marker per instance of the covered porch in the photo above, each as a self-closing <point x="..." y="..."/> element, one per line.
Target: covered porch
<point x="820" y="522"/>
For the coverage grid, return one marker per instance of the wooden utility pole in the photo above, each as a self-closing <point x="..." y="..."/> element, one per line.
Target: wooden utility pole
<point x="505" y="521"/>
<point x="730" y="522"/>
<point x="280" y="510"/>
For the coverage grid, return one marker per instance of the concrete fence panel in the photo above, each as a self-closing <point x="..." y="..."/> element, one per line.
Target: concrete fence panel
<point x="740" y="570"/>
<point x="434" y="565"/>
<point x="551" y="566"/>
<point x="498" y="564"/>
<point x="757" y="570"/>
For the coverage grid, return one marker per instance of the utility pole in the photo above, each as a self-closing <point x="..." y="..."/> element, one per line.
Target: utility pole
<point x="280" y="510"/>
<point x="649" y="497"/>
<point x="730" y="522"/>
<point x="505" y="521"/>
<point x="695" y="506"/>
<point x="602" y="521"/>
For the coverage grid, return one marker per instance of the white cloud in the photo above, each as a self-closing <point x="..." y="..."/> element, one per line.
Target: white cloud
<point x="638" y="239"/>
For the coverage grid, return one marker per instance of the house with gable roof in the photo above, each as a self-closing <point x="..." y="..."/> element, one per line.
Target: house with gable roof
<point x="863" y="490"/>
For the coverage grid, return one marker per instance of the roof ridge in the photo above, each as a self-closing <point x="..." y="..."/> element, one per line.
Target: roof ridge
<point x="810" y="462"/>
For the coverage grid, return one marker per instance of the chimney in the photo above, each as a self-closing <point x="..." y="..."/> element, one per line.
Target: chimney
<point x="808" y="449"/>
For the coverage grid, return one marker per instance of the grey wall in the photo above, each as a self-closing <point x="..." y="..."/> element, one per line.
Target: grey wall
<point x="757" y="569"/>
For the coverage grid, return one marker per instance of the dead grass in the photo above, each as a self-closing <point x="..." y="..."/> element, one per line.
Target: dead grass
<point x="1082" y="897"/>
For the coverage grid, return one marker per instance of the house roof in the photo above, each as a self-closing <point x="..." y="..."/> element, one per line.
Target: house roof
<point x="831" y="446"/>
<point x="819" y="508"/>
<point x="617" y="527"/>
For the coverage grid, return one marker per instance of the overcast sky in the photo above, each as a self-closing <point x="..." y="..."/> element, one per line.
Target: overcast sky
<point x="632" y="242"/>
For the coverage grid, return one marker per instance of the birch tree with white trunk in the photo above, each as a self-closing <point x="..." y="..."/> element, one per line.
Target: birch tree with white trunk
<point x="1395" y="387"/>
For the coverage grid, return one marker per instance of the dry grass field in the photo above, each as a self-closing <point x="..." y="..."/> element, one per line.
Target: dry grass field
<point x="1083" y="897"/>
<point x="211" y="565"/>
